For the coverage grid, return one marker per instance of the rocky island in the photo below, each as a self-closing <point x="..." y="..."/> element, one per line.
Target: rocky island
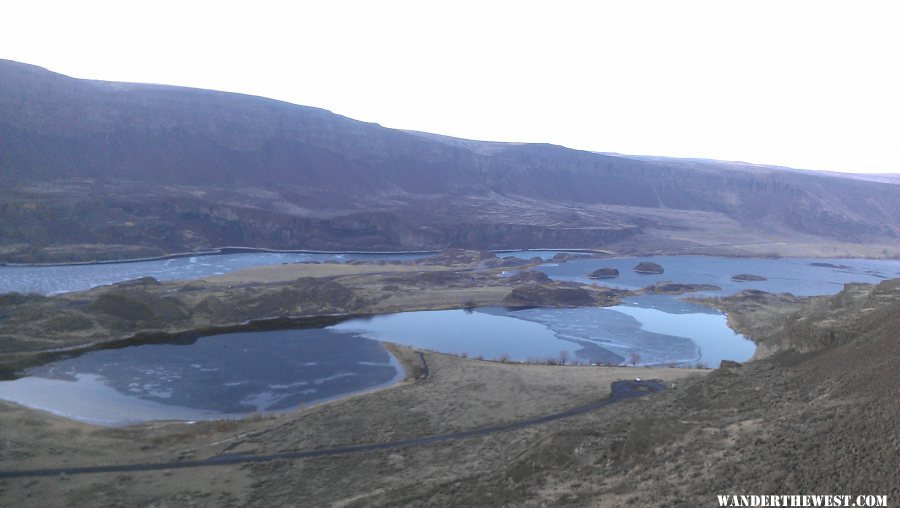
<point x="747" y="277"/>
<point x="675" y="288"/>
<point x="604" y="273"/>
<point x="830" y="265"/>
<point x="648" y="267"/>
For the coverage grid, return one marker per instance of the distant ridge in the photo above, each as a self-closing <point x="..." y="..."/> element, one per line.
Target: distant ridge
<point x="97" y="170"/>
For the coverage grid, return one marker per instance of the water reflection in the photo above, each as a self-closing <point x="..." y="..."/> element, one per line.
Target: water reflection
<point x="659" y="329"/>
<point x="480" y="333"/>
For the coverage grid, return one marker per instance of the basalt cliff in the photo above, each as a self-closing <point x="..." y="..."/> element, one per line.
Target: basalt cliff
<point x="99" y="170"/>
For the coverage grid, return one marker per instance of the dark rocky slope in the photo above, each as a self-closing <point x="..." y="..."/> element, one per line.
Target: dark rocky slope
<point x="99" y="169"/>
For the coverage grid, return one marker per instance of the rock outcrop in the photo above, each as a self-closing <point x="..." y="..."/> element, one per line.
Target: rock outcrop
<point x="830" y="265"/>
<point x="648" y="267"/>
<point x="675" y="288"/>
<point x="529" y="276"/>
<point x="544" y="296"/>
<point x="747" y="277"/>
<point x="604" y="273"/>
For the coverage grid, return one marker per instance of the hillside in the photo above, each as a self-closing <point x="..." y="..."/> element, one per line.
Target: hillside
<point x="92" y="170"/>
<point x="817" y="415"/>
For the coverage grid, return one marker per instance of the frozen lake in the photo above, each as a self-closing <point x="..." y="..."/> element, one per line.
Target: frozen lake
<point x="659" y="329"/>
<point x="219" y="376"/>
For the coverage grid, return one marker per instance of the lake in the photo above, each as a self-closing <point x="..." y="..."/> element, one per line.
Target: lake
<point x="648" y="326"/>
<point x="233" y="375"/>
<point x="219" y="376"/>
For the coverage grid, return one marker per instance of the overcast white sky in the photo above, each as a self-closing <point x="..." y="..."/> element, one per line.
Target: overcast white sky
<point x="807" y="84"/>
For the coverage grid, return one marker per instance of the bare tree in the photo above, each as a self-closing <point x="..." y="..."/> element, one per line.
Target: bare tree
<point x="634" y="358"/>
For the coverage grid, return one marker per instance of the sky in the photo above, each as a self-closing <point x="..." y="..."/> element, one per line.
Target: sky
<point x="805" y="84"/>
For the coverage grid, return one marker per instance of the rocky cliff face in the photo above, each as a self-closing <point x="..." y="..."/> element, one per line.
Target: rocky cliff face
<point x="159" y="168"/>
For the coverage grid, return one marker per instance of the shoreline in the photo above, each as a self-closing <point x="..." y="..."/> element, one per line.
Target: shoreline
<point x="30" y="359"/>
<point x="221" y="251"/>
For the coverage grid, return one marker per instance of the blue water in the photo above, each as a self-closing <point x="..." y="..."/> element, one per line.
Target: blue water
<point x="221" y="376"/>
<point x="51" y="280"/>
<point x="480" y="333"/>
<point x="793" y="275"/>
<point x="707" y="328"/>
<point x="659" y="329"/>
<point x="785" y="275"/>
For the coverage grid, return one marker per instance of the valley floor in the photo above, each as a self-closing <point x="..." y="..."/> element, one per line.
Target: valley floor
<point x="816" y="415"/>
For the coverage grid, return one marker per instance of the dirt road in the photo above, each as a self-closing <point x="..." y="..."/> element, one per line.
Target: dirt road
<point x="621" y="390"/>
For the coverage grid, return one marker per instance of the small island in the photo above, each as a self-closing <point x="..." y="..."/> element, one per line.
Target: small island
<point x="747" y="277"/>
<point x="604" y="273"/>
<point x="562" y="257"/>
<point x="648" y="267"/>
<point x="675" y="288"/>
<point x="830" y="265"/>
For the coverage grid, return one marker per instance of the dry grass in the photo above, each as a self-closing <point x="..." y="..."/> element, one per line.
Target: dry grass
<point x="289" y="272"/>
<point x="459" y="394"/>
<point x="436" y="299"/>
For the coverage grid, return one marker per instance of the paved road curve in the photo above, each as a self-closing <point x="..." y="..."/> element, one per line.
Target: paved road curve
<point x="621" y="390"/>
